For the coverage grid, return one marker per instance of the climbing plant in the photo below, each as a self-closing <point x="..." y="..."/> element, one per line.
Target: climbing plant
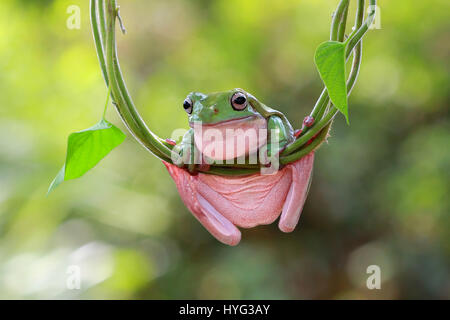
<point x="86" y="148"/>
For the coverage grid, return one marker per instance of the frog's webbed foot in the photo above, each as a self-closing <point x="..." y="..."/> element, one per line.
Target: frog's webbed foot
<point x="219" y="226"/>
<point x="293" y="205"/>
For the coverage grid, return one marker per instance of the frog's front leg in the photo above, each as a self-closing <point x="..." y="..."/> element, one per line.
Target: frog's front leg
<point x="279" y="134"/>
<point x="185" y="153"/>
<point x="301" y="172"/>
<point x="219" y="226"/>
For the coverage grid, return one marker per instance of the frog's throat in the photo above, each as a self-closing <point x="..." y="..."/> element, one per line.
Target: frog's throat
<point x="231" y="139"/>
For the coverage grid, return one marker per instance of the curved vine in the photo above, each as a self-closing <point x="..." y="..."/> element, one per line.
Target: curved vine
<point x="105" y="13"/>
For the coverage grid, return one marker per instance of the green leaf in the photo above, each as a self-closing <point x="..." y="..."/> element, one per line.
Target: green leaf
<point x="57" y="181"/>
<point x="86" y="148"/>
<point x="330" y="62"/>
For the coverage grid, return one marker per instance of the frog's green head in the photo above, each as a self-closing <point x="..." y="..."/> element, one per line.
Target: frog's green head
<point x="219" y="107"/>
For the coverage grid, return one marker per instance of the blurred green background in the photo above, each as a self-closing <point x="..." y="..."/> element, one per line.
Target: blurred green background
<point x="380" y="194"/>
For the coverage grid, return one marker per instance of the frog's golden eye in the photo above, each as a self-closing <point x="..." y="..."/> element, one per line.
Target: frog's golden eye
<point x="239" y="101"/>
<point x="187" y="105"/>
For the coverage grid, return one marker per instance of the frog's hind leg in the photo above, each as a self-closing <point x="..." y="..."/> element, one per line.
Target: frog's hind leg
<point x="301" y="174"/>
<point x="219" y="226"/>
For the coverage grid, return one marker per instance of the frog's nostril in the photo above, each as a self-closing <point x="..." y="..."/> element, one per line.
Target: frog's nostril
<point x="214" y="109"/>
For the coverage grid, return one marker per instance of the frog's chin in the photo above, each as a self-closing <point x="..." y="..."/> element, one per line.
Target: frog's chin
<point x="231" y="138"/>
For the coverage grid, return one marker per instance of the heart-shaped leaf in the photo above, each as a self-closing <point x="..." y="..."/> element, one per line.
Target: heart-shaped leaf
<point x="330" y="62"/>
<point x="86" y="148"/>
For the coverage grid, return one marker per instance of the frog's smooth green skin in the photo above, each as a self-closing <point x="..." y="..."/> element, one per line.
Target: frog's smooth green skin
<point x="220" y="203"/>
<point x="214" y="115"/>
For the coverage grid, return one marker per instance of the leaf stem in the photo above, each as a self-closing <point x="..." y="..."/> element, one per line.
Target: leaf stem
<point x="106" y="104"/>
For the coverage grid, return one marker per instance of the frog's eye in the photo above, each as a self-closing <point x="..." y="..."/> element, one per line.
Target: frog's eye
<point x="187" y="105"/>
<point x="239" y="101"/>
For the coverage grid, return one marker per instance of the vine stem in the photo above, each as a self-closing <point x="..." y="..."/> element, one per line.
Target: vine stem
<point x="103" y="19"/>
<point x="98" y="40"/>
<point x="338" y="26"/>
<point x="337" y="32"/>
<point x="338" y="18"/>
<point x="103" y="26"/>
<point x="293" y="151"/>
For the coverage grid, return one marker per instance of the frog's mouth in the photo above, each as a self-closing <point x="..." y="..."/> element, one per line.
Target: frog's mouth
<point x="230" y="139"/>
<point x="230" y="121"/>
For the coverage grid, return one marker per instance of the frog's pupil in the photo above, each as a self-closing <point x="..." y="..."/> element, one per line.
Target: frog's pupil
<point x="186" y="104"/>
<point x="239" y="100"/>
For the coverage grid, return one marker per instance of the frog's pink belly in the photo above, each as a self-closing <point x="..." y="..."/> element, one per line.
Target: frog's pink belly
<point x="246" y="201"/>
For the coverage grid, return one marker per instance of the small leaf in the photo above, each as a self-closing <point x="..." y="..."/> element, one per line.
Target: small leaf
<point x="86" y="148"/>
<point x="330" y="62"/>
<point x="57" y="181"/>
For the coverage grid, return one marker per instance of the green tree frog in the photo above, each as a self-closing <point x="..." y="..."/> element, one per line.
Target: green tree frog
<point x="234" y="127"/>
